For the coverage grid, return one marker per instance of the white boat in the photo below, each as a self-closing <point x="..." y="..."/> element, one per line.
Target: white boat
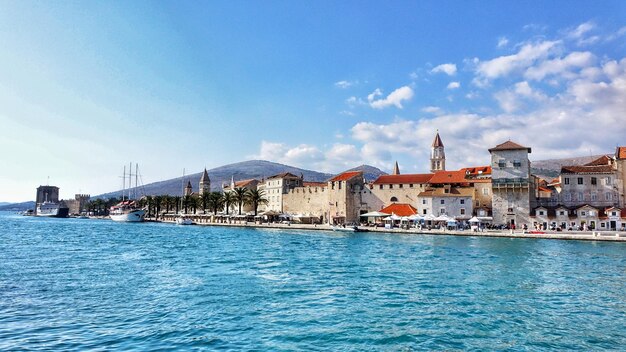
<point x="127" y="210"/>
<point x="181" y="220"/>
<point x="48" y="209"/>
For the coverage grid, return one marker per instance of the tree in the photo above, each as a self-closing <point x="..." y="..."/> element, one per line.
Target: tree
<point x="240" y="196"/>
<point x="255" y="198"/>
<point x="227" y="199"/>
<point x="204" y="198"/>
<point x="215" y="202"/>
<point x="177" y="203"/>
<point x="158" y="200"/>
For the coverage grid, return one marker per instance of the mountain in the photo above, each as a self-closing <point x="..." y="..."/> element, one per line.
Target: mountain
<point x="17" y="206"/>
<point x="4" y="203"/>
<point x="369" y="172"/>
<point x="551" y="168"/>
<point x="239" y="171"/>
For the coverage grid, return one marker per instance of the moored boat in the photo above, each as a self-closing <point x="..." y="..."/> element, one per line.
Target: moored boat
<point x="128" y="210"/>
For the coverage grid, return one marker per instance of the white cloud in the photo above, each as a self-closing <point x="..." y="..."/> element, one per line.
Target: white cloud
<point x="581" y="30"/>
<point x="560" y="66"/>
<point x="502" y="42"/>
<point x="345" y="84"/>
<point x="432" y="110"/>
<point x="346" y="112"/>
<point x="395" y="98"/>
<point x="449" y="69"/>
<point x="454" y="85"/>
<point x="527" y="55"/>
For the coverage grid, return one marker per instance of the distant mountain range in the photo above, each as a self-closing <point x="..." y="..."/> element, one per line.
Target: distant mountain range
<point x="17" y="206"/>
<point x="551" y="168"/>
<point x="257" y="169"/>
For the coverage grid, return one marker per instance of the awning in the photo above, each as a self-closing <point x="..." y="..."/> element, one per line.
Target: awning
<point x="374" y="214"/>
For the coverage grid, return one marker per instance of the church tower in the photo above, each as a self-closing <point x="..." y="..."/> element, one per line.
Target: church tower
<point x="396" y="169"/>
<point x="188" y="189"/>
<point x="205" y="183"/>
<point x="437" y="155"/>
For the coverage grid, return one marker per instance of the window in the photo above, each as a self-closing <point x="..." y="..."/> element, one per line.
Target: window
<point x="581" y="196"/>
<point x="517" y="163"/>
<point x="582" y="213"/>
<point x="442" y="211"/>
<point x="568" y="197"/>
<point x="580" y="180"/>
<point x="501" y="163"/>
<point x="410" y="185"/>
<point x="607" y="181"/>
<point x="446" y="190"/>
<point x="423" y="201"/>
<point x="425" y="211"/>
<point x="591" y="213"/>
<point x="566" y="180"/>
<point x="608" y="196"/>
<point x="462" y="201"/>
<point x="541" y="212"/>
<point x="332" y="185"/>
<point x="561" y="212"/>
<point x="485" y="191"/>
<point x="393" y="199"/>
<point x="594" y="181"/>
<point x="339" y="184"/>
<point x="510" y="210"/>
<point x="443" y="201"/>
<point x="462" y="211"/>
<point x="380" y="186"/>
<point x="390" y="186"/>
<point x="400" y="186"/>
<point x="613" y="213"/>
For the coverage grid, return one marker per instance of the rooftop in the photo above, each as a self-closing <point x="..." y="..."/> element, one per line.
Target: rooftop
<point x="400" y="209"/>
<point x="403" y="179"/>
<point x="509" y="145"/>
<point x="344" y="176"/>
<point x="445" y="177"/>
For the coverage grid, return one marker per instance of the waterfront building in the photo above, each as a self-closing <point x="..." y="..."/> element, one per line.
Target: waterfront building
<point x="205" y="183"/>
<point x="77" y="205"/>
<point x="345" y="197"/>
<point x="437" y="155"/>
<point x="455" y="202"/>
<point x="309" y="202"/>
<point x="390" y="189"/>
<point x="511" y="184"/>
<point x="595" y="183"/>
<point x="620" y="168"/>
<point x="248" y="184"/>
<point x="276" y="187"/>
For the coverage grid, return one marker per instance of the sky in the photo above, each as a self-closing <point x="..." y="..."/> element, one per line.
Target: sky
<point x="87" y="87"/>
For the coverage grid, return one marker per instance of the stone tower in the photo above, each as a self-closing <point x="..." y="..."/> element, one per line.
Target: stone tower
<point x="188" y="189"/>
<point x="205" y="183"/>
<point x="396" y="169"/>
<point x="511" y="184"/>
<point x="437" y="155"/>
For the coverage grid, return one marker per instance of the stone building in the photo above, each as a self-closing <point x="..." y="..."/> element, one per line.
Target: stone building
<point x="595" y="183"/>
<point x="46" y="194"/>
<point x="389" y="189"/>
<point x="276" y="187"/>
<point x="455" y="202"/>
<point x="620" y="168"/>
<point x="345" y="197"/>
<point x="511" y="184"/>
<point x="309" y="199"/>
<point x="188" y="189"/>
<point x="205" y="183"/>
<point x="77" y="205"/>
<point x="248" y="184"/>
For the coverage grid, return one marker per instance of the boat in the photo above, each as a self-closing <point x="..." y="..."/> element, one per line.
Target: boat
<point x="51" y="210"/>
<point x="181" y="219"/>
<point x="127" y="210"/>
<point x="348" y="228"/>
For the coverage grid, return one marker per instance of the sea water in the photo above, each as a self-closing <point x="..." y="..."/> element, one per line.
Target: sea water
<point x="77" y="284"/>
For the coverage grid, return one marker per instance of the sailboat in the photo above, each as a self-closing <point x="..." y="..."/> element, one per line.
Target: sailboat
<point x="181" y="219"/>
<point x="127" y="210"/>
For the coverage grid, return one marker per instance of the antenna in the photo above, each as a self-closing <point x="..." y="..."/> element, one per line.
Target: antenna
<point x="48" y="181"/>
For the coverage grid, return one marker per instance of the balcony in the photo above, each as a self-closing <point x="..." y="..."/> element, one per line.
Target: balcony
<point x="501" y="183"/>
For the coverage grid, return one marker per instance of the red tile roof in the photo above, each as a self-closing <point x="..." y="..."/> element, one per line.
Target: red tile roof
<point x="344" y="176"/>
<point x="543" y="189"/>
<point x="508" y="145"/>
<point x="601" y="161"/>
<point x="283" y="175"/>
<point x="602" y="169"/>
<point x="244" y="183"/>
<point x="478" y="170"/>
<point x="445" y="177"/>
<point x="620" y="153"/>
<point x="400" y="209"/>
<point x="403" y="179"/>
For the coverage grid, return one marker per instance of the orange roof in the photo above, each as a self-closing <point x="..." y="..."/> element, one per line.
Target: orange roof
<point x="600" y="169"/>
<point x="478" y="170"/>
<point x="244" y="183"/>
<point x="543" y="189"/>
<point x="344" y="176"/>
<point x="400" y="209"/>
<point x="406" y="178"/>
<point x="601" y="161"/>
<point x="445" y="177"/>
<point x="620" y="153"/>
<point x="508" y="145"/>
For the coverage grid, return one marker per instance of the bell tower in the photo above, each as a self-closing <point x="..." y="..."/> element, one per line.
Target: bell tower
<point x="205" y="183"/>
<point x="437" y="155"/>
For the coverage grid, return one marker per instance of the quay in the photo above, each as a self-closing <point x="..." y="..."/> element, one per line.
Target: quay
<point x="610" y="236"/>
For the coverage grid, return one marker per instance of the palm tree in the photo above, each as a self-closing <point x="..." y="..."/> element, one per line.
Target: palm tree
<point x="158" y="200"/>
<point x="204" y="198"/>
<point x="169" y="202"/>
<point x="177" y="203"/>
<point x="241" y="196"/>
<point x="148" y="200"/>
<point x="228" y="198"/>
<point x="255" y="198"/>
<point x="215" y="202"/>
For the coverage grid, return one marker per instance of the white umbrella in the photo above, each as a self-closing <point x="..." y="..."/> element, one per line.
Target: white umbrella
<point x="474" y="219"/>
<point x="415" y="217"/>
<point x="374" y="214"/>
<point x="442" y="217"/>
<point x="395" y="217"/>
<point x="404" y="218"/>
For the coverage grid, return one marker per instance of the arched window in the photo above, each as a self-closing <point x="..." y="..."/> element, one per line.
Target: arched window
<point x="393" y="199"/>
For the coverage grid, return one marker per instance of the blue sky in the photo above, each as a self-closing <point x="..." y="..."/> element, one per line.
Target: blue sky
<point x="86" y="87"/>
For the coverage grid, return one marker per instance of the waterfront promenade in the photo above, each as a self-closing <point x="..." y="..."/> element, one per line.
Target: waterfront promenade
<point x="611" y="236"/>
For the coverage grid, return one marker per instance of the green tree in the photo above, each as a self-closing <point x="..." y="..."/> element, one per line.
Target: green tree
<point x="255" y="198"/>
<point x="216" y="201"/>
<point x="177" y="203"/>
<point x="228" y="198"/>
<point x="204" y="199"/>
<point x="240" y="196"/>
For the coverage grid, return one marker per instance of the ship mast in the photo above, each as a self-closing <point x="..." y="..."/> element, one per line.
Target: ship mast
<point x="136" y="173"/>
<point x="123" y="182"/>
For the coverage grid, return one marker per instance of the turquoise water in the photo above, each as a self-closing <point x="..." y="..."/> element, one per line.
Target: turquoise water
<point x="71" y="284"/>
